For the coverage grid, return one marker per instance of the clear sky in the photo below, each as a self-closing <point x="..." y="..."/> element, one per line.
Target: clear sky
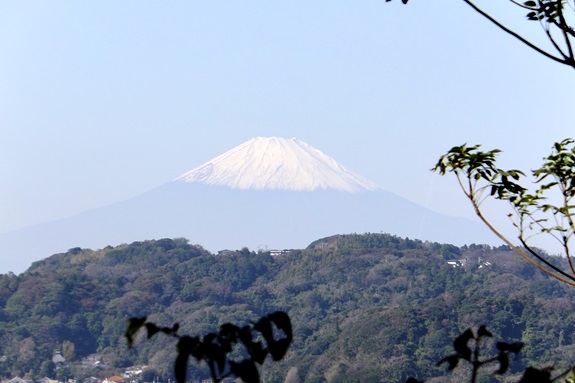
<point x="103" y="100"/>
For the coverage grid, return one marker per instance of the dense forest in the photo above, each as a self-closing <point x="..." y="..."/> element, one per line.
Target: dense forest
<point x="365" y="308"/>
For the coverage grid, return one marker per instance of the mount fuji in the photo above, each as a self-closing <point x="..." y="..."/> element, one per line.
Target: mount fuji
<point x="274" y="193"/>
<point x="277" y="164"/>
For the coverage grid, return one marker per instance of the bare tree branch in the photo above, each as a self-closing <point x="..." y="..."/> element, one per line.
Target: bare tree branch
<point x="520" y="38"/>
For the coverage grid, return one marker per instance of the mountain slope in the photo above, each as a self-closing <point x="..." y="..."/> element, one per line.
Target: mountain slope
<point x="277" y="163"/>
<point x="267" y="193"/>
<point x="219" y="218"/>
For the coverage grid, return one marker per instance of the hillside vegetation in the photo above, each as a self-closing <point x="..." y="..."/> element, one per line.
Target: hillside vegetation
<point x="365" y="308"/>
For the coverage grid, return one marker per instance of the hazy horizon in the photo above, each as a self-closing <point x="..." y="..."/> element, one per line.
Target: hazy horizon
<point x="101" y="102"/>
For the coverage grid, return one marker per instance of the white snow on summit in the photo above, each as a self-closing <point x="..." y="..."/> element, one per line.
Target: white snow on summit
<point x="277" y="163"/>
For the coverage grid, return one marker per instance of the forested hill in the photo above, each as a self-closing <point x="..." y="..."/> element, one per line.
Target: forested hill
<point x="367" y="308"/>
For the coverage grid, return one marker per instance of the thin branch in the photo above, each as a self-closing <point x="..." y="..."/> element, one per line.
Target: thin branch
<point x="479" y="195"/>
<point x="544" y="229"/>
<point x="567" y="278"/>
<point x="524" y="41"/>
<point x="557" y="47"/>
<point x="565" y="35"/>
<point x="566" y="200"/>
<point x="468" y="195"/>
<point x="565" y="29"/>
<point x="570" y="223"/>
<point x="536" y="255"/>
<point x="568" y="254"/>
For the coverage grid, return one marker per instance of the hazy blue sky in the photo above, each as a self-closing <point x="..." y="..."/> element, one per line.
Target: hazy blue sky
<point x="103" y="100"/>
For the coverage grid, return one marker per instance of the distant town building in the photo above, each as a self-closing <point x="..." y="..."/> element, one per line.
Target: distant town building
<point x="114" y="379"/>
<point x="275" y="253"/>
<point x="456" y="263"/>
<point x="92" y="379"/>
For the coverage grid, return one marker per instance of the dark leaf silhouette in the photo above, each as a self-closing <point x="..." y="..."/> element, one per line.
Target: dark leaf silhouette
<point x="452" y="361"/>
<point x="214" y="348"/>
<point x="246" y="371"/>
<point x="152" y="329"/>
<point x="134" y="324"/>
<point x="181" y="366"/>
<point x="464" y="352"/>
<point x="503" y="360"/>
<point x="460" y="344"/>
<point x="533" y="375"/>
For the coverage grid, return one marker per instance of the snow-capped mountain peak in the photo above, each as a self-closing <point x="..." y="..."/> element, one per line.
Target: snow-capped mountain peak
<point x="277" y="163"/>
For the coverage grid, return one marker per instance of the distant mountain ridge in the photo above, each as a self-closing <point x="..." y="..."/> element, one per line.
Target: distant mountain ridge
<point x="212" y="206"/>
<point x="276" y="163"/>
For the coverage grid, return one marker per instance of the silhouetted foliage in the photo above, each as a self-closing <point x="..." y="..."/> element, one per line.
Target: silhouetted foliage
<point x="216" y="348"/>
<point x="468" y="348"/>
